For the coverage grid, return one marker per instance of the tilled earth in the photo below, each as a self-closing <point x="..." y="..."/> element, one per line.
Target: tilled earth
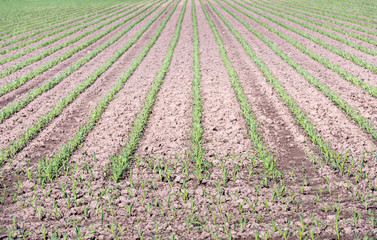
<point x="159" y="195"/>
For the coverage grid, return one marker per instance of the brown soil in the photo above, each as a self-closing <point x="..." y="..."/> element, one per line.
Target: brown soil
<point x="168" y="129"/>
<point x="365" y="74"/>
<point x="15" y="125"/>
<point x="31" y="31"/>
<point x="58" y="53"/>
<point x="159" y="195"/>
<point x="225" y="129"/>
<point x="11" y="53"/>
<point x="327" y="116"/>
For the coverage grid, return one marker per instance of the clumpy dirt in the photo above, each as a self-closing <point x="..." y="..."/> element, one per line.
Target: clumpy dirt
<point x="60" y="52"/>
<point x="168" y="129"/>
<point x="160" y="195"/>
<point x="15" y="125"/>
<point x="225" y="130"/>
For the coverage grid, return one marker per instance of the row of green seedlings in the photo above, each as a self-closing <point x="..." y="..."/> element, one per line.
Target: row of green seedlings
<point x="34" y="30"/>
<point x="364" y="210"/>
<point x="43" y="121"/>
<point x="46" y="24"/>
<point x="243" y="101"/>
<point x="338" y="15"/>
<point x="51" y="33"/>
<point x="330" y="47"/>
<point x="12" y="108"/>
<point x="71" y="196"/>
<point x="222" y="47"/>
<point x="52" y="166"/>
<point x="341" y="166"/>
<point x="350" y="9"/>
<point x="352" y="112"/>
<point x="15" y="231"/>
<point x="333" y="35"/>
<point x="121" y="161"/>
<point x="26" y="77"/>
<point x="43" y="18"/>
<point x="19" y="54"/>
<point x="47" y="15"/>
<point x="338" y="161"/>
<point x="165" y="175"/>
<point x="198" y="151"/>
<point x="333" y="21"/>
<point x="48" y="52"/>
<point x="280" y="191"/>
<point x="264" y="153"/>
<point x="372" y="90"/>
<point x="161" y="166"/>
<point x="320" y="201"/>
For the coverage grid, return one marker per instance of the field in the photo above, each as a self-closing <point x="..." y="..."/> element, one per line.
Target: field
<point x="188" y="119"/>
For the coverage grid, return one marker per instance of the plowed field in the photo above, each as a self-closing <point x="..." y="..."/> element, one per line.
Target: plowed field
<point x="188" y="119"/>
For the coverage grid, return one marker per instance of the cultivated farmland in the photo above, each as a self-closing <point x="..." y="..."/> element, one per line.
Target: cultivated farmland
<point x="188" y="119"/>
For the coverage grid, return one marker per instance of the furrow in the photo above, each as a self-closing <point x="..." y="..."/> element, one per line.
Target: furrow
<point x="349" y="56"/>
<point x="121" y="161"/>
<point x="352" y="31"/>
<point x="262" y="150"/>
<point x="345" y="40"/>
<point x="168" y="127"/>
<point x="26" y="77"/>
<point x="22" y="64"/>
<point x="10" y="57"/>
<point x="301" y="117"/>
<point x="50" y="26"/>
<point x="372" y="90"/>
<point x="43" y="121"/>
<point x="276" y="123"/>
<point x="12" y="108"/>
<point x="300" y="12"/>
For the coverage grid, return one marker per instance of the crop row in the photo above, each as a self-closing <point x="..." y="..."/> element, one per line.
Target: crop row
<point x="328" y="34"/>
<point x="220" y="208"/>
<point x="354" y="12"/>
<point x="34" y="93"/>
<point x="121" y="161"/>
<point x="42" y="122"/>
<point x="337" y="15"/>
<point x="304" y="121"/>
<point x="49" y="168"/>
<point x="197" y="149"/>
<point x="372" y="90"/>
<point x="26" y="77"/>
<point x="50" y="51"/>
<point x="23" y="44"/>
<point x="47" y="25"/>
<point x="339" y="161"/>
<point x="263" y="152"/>
<point x="336" y="29"/>
<point x="319" y="41"/>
